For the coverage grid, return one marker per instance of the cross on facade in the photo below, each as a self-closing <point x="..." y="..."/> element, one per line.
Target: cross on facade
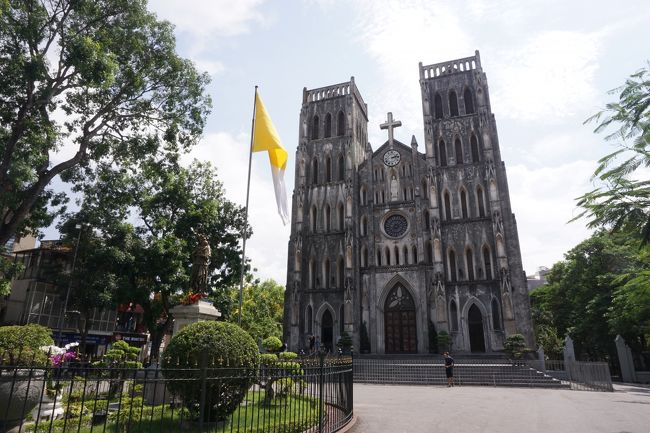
<point x="390" y="125"/>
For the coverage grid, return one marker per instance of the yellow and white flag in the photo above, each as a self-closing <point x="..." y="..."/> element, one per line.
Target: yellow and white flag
<point x="265" y="137"/>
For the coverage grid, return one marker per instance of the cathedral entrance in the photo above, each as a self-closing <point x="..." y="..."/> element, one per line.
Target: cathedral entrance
<point x="327" y="331"/>
<point x="475" y="324"/>
<point x="399" y="321"/>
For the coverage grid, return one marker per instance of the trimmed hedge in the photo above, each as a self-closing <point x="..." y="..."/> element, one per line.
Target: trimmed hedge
<point x="214" y="345"/>
<point x="20" y="345"/>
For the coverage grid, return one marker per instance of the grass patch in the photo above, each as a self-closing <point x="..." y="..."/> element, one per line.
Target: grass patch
<point x="283" y="415"/>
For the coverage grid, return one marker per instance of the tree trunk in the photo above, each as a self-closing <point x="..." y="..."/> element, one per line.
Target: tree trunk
<point x="157" y="336"/>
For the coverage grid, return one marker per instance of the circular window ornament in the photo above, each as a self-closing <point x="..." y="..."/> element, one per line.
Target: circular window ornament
<point x="395" y="225"/>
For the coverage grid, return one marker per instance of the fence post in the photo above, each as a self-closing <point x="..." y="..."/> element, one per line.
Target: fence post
<point x="321" y="374"/>
<point x="203" y="367"/>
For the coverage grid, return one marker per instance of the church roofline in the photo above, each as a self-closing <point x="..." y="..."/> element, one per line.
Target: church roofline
<point x="333" y="91"/>
<point x="451" y="66"/>
<point x="396" y="143"/>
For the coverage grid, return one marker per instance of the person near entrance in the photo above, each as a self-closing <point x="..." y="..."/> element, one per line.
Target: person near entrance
<point x="449" y="369"/>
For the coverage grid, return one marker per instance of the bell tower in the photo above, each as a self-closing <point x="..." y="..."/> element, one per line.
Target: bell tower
<point x="321" y="280"/>
<point x="480" y="287"/>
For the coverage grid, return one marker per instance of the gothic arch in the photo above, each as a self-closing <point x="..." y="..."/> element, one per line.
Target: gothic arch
<point x="474" y="301"/>
<point x="427" y="220"/>
<point x="325" y="306"/>
<point x="487" y="262"/>
<point x="396" y="253"/>
<point x="327" y="273"/>
<point x="341" y="167"/>
<point x="340" y="124"/>
<point x="340" y="271"/>
<point x="405" y="252"/>
<point x="328" y="125"/>
<point x="379" y="257"/>
<point x="328" y="169"/>
<point x="442" y="153"/>
<point x="364" y="257"/>
<point x="464" y="203"/>
<point x="469" y="263"/>
<point x="453" y="104"/>
<point x="437" y="106"/>
<point x="328" y="218"/>
<point x="447" y="204"/>
<point x="415" y="254"/>
<point x="469" y="101"/>
<point x="363" y="195"/>
<point x="312" y="273"/>
<point x="309" y="319"/>
<point x="314" y="128"/>
<point x="341" y="216"/>
<point x="458" y="150"/>
<point x="480" y="201"/>
<point x="363" y="226"/>
<point x="474" y="148"/>
<point x="387" y="256"/>
<point x="397" y="278"/>
<point x="313" y="218"/>
<point x="452" y="265"/>
<point x="314" y="171"/>
<point x="453" y="315"/>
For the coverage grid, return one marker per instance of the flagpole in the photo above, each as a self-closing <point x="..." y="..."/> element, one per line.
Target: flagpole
<point x="248" y="190"/>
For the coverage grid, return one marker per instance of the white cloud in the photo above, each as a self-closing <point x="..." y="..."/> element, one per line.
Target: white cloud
<point x="543" y="201"/>
<point x="267" y="248"/>
<point x="547" y="78"/>
<point x="398" y="35"/>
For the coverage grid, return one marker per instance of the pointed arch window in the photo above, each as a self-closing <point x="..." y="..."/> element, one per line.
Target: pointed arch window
<point x="427" y="222"/>
<point x="328" y="220"/>
<point x="458" y="147"/>
<point x="314" y="171"/>
<point x="453" y="314"/>
<point x="463" y="203"/>
<point x="341" y="216"/>
<point x="480" y="198"/>
<point x="415" y="255"/>
<point x="429" y="253"/>
<point x="447" y="206"/>
<point x="340" y="124"/>
<point x="341" y="320"/>
<point x="312" y="274"/>
<point x="469" y="258"/>
<point x="314" y="128"/>
<point x="442" y="153"/>
<point x="405" y="252"/>
<point x="452" y="265"/>
<point x="327" y="273"/>
<point x="328" y="169"/>
<point x="364" y="257"/>
<point x="363" y="227"/>
<point x="474" y="145"/>
<point x="496" y="317"/>
<point x="397" y="261"/>
<point x="387" y="254"/>
<point x="309" y="319"/>
<point x="328" y="125"/>
<point x="453" y="104"/>
<point x="437" y="104"/>
<point x="340" y="268"/>
<point x="312" y="219"/>
<point x="341" y="167"/>
<point x="487" y="262"/>
<point x="363" y="195"/>
<point x="469" y="101"/>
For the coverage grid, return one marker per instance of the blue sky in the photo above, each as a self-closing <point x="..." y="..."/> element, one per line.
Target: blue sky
<point x="549" y="65"/>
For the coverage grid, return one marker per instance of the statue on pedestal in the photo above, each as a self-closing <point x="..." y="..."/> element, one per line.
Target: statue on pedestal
<point x="200" y="265"/>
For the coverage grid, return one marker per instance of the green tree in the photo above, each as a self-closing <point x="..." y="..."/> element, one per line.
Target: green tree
<point x="98" y="77"/>
<point x="169" y="204"/>
<point x="623" y="199"/>
<point x="262" y="309"/>
<point x="578" y="296"/>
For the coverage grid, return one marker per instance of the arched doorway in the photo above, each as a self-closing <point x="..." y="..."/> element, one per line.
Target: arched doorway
<point x="399" y="321"/>
<point x="327" y="330"/>
<point x="475" y="324"/>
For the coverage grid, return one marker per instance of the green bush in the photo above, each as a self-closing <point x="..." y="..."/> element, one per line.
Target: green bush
<point x="345" y="343"/>
<point x="20" y="345"/>
<point x="272" y="344"/>
<point x="287" y="356"/>
<point x="444" y="341"/>
<point x="515" y="346"/>
<point x="121" y="354"/>
<point x="268" y="359"/>
<point x="211" y="344"/>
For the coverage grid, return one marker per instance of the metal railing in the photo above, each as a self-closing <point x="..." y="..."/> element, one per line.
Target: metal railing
<point x="312" y="395"/>
<point x="580" y="375"/>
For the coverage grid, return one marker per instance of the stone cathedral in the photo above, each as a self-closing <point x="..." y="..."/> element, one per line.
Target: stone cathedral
<point x="396" y="245"/>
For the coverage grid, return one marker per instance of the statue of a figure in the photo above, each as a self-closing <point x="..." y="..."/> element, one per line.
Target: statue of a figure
<point x="394" y="189"/>
<point x="200" y="265"/>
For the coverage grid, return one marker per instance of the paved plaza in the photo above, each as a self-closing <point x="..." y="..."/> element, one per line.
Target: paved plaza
<point x="427" y="409"/>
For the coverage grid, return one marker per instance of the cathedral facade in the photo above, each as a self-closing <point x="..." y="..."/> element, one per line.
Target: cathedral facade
<point x="396" y="245"/>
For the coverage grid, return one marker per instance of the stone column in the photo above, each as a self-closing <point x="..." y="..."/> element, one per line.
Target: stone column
<point x="628" y="374"/>
<point x="569" y="352"/>
<point x="542" y="358"/>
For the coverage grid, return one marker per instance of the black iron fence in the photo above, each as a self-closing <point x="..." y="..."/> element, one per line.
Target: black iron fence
<point x="313" y="395"/>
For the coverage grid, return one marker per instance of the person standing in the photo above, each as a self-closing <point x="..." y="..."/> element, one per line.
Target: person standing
<point x="317" y="344"/>
<point x="449" y="369"/>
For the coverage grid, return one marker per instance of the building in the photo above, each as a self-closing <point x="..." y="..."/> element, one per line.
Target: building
<point x="36" y="298"/>
<point x="538" y="279"/>
<point x="397" y="244"/>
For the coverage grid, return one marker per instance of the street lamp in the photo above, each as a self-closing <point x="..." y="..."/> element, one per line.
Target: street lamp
<point x="67" y="293"/>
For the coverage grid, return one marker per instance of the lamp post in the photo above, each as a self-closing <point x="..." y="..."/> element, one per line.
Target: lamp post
<point x="67" y="293"/>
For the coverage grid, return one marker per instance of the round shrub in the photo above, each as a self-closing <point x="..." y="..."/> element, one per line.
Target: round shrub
<point x="20" y="345"/>
<point x="220" y="354"/>
<point x="268" y="358"/>
<point x="272" y="344"/>
<point x="287" y="356"/>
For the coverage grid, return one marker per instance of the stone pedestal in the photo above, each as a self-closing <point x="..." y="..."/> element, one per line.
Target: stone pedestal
<point x="198" y="312"/>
